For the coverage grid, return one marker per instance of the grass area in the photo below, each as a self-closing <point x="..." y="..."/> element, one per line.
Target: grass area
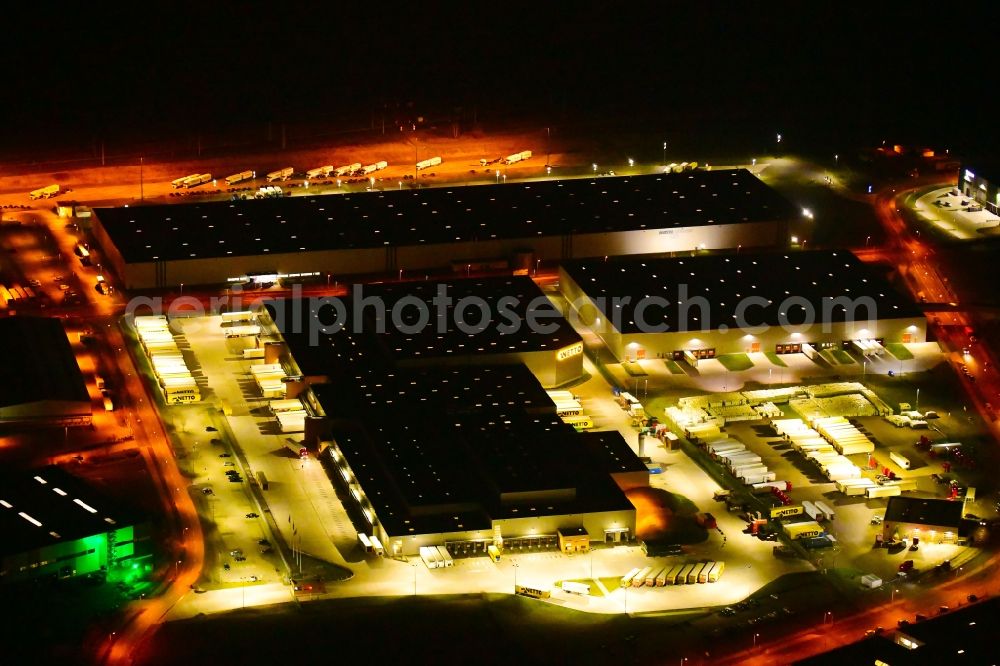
<point x="842" y="356"/>
<point x="774" y="358"/>
<point x="899" y="350"/>
<point x="735" y="362"/>
<point x="673" y="367"/>
<point x="612" y="583"/>
<point x="633" y="369"/>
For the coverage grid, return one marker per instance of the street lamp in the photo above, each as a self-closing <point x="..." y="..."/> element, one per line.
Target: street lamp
<point x="631" y="162"/>
<point x="498" y="176"/>
<point x="779" y="137"/>
<point x="664" y="153"/>
<point x="516" y="567"/>
<point x="595" y="168"/>
<point x="868" y="240"/>
<point x="916" y="403"/>
<point x="826" y="615"/>
<point x="414" y="566"/>
<point x="756" y="636"/>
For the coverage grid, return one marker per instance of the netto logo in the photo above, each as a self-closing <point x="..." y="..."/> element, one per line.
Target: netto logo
<point x="569" y="352"/>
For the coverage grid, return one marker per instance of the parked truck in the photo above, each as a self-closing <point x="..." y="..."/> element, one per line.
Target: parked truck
<point x="240" y="177"/>
<point x="518" y="157"/>
<point x="319" y="172"/>
<point x="768" y="486"/>
<point x="640" y="578"/>
<point x="196" y="180"/>
<point x="882" y="491"/>
<point x="347" y="169"/>
<point x="280" y="174"/>
<point x="716" y="572"/>
<point x="46" y="192"/>
<point x="426" y="164"/>
<point x="179" y="182"/>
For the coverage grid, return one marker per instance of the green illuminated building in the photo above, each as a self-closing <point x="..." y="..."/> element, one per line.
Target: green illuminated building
<point x="54" y="524"/>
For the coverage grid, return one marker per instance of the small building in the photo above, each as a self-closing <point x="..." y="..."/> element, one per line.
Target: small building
<point x="40" y="381"/>
<point x="981" y="182"/>
<point x="56" y="525"/>
<point x="931" y="520"/>
<point x="574" y="540"/>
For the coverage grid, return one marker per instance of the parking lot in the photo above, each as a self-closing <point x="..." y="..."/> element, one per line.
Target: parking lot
<point x="955" y="214"/>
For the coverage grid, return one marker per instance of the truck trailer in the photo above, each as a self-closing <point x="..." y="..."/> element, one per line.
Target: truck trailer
<point x="46" y="192"/>
<point x="240" y="177"/>
<point x="426" y="164"/>
<point x="280" y="174"/>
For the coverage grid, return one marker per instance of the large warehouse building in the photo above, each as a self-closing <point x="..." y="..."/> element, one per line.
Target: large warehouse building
<point x="41" y="381"/>
<point x="54" y="524"/>
<point x="449" y="438"/>
<point x="502" y="334"/>
<point x="699" y="307"/>
<point x="385" y="232"/>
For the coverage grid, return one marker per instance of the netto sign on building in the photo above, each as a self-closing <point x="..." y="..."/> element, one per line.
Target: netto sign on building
<point x="569" y="352"/>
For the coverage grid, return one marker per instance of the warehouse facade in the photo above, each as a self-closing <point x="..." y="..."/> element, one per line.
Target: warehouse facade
<point x="56" y="525"/>
<point x="470" y="227"/>
<point x="981" y="182"/>
<point x="930" y="520"/>
<point x="694" y="308"/>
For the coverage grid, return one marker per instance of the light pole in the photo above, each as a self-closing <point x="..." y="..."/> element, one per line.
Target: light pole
<point x="826" y="615"/>
<point x="664" y="153"/>
<point x="515" y="573"/>
<point x="595" y="167"/>
<point x="414" y="567"/>
<point x="631" y="162"/>
<point x="498" y="176"/>
<point x="548" y="149"/>
<point x="916" y="403"/>
<point x="141" y="197"/>
<point x="867" y="241"/>
<point x="756" y="636"/>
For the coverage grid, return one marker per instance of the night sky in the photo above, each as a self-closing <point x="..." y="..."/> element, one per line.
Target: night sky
<point x="822" y="73"/>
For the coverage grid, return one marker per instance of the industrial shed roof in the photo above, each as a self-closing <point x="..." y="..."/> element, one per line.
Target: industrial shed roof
<point x="508" y="300"/>
<point x="440" y="215"/>
<point x="39" y="365"/>
<point x="47" y="506"/>
<point x="711" y="291"/>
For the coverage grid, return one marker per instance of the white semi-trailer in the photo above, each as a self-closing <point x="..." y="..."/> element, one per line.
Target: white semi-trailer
<point x="176" y="184"/>
<point x="280" y="174"/>
<point x="427" y="164"/>
<point x="319" y="172"/>
<point x="198" y="179"/>
<point x="347" y="169"/>
<point x="239" y="177"/>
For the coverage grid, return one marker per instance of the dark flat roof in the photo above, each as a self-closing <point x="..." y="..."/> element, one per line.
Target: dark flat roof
<point x="723" y="280"/>
<point x="439" y="338"/>
<point x="67" y="507"/>
<point x="959" y="636"/>
<point x="924" y="511"/>
<point x="39" y="363"/>
<point x="612" y="452"/>
<point x="440" y="215"/>
<point x="438" y="447"/>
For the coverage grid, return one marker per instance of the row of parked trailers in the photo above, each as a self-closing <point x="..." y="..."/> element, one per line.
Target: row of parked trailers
<point x="811" y="444"/>
<point x="371" y="544"/>
<point x="15" y="294"/>
<point x="744" y="464"/>
<point x="436" y="557"/>
<point x="677" y="574"/>
<point x="194" y="180"/>
<point x="169" y="366"/>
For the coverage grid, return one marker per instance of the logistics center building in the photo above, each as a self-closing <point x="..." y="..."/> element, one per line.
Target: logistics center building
<point x="699" y="307"/>
<point x="55" y="524"/>
<point x="467" y="227"/>
<point x="42" y="382"/>
<point x="449" y="438"/>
